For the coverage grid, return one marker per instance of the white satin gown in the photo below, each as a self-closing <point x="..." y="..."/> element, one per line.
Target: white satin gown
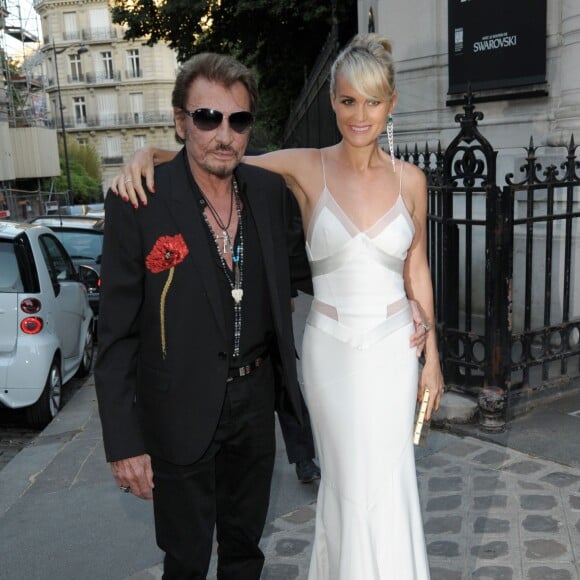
<point x="360" y="385"/>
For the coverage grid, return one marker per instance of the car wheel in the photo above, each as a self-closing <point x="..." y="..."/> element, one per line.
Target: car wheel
<point x="88" y="353"/>
<point x="44" y="410"/>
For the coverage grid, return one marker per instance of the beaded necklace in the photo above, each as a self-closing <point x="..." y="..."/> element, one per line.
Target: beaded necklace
<point x="235" y="278"/>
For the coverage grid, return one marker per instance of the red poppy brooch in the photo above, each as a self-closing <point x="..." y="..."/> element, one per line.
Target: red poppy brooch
<point x="168" y="252"/>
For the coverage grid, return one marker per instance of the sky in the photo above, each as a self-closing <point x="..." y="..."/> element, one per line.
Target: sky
<point x="21" y="11"/>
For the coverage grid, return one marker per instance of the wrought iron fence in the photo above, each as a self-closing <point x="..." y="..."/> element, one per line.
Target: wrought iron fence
<point x="505" y="262"/>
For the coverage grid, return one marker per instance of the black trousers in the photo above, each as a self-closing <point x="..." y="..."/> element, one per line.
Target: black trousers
<point x="297" y="437"/>
<point x="227" y="489"/>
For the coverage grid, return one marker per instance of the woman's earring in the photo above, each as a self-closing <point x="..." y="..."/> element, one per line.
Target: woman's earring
<point x="391" y="140"/>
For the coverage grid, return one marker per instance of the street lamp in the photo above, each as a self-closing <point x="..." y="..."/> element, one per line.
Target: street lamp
<point x="82" y="49"/>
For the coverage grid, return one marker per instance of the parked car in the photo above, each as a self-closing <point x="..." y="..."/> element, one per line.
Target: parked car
<point x="82" y="236"/>
<point x="46" y="323"/>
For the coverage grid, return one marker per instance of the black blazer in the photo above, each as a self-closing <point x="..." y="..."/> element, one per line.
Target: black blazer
<point x="169" y="407"/>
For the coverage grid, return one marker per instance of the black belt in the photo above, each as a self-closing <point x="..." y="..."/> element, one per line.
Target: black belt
<point x="234" y="373"/>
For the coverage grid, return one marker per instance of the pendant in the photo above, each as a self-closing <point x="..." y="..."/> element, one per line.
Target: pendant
<point x="226" y="238"/>
<point x="237" y="295"/>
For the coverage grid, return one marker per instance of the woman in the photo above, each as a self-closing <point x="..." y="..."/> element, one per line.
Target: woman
<point x="364" y="214"/>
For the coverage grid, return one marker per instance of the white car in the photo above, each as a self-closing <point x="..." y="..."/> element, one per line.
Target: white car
<point x="46" y="323"/>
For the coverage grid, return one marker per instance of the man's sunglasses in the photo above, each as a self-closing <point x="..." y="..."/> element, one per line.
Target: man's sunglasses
<point x="210" y="119"/>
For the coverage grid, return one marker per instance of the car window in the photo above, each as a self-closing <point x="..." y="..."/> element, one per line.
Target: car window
<point x="81" y="244"/>
<point x="57" y="260"/>
<point x="10" y="279"/>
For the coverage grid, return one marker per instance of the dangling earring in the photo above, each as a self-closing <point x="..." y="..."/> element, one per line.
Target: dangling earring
<point x="391" y="140"/>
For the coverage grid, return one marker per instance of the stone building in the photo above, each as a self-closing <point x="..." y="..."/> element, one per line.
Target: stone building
<point x="550" y="111"/>
<point x="116" y="94"/>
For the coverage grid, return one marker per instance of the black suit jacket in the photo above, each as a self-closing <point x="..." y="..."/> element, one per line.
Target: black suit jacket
<point x="169" y="407"/>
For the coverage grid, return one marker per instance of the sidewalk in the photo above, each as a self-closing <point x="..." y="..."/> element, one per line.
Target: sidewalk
<point x="490" y="512"/>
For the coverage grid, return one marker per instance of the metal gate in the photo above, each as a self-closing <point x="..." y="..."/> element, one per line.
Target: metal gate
<point x="505" y="263"/>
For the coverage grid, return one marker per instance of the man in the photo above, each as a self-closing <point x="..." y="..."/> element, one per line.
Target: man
<point x="195" y="332"/>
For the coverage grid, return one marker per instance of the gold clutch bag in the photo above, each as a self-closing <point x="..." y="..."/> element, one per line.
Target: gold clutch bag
<point x="421" y="427"/>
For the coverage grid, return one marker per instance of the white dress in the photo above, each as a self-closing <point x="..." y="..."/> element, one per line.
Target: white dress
<point x="360" y="385"/>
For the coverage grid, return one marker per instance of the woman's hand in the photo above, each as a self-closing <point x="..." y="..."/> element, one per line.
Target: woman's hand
<point x="432" y="379"/>
<point x="128" y="184"/>
<point x="418" y="339"/>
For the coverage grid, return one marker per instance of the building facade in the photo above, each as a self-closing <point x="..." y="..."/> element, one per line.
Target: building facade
<point x="116" y="94"/>
<point x="426" y="111"/>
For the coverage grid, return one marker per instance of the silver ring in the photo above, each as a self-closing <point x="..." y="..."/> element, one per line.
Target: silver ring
<point x="128" y="180"/>
<point x="125" y="488"/>
<point x="426" y="326"/>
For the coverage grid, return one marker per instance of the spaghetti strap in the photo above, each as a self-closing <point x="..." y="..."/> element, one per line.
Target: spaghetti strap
<point x="323" y="169"/>
<point x="402" y="165"/>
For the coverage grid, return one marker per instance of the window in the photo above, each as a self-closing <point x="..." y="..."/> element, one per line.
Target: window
<point x="112" y="149"/>
<point x="136" y="103"/>
<point x="139" y="141"/>
<point x="100" y="27"/>
<point x="107" y="108"/>
<point x="80" y="107"/>
<point x="70" y="26"/>
<point x="59" y="265"/>
<point x="82" y="141"/>
<point x="75" y="68"/>
<point x="107" y="62"/>
<point x="133" y="64"/>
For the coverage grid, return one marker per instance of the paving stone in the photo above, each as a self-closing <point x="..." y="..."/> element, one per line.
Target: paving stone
<point x="432" y="462"/>
<point x="560" y="479"/>
<point x="491" y="457"/>
<point x="544" y="549"/>
<point x="488" y="502"/>
<point x="443" y="548"/>
<point x="488" y="483"/>
<point x="461" y="448"/>
<point x="444" y="503"/>
<point x="444" y="574"/>
<point x="530" y="485"/>
<point x="493" y="573"/>
<point x="300" y="516"/>
<point x="546" y="573"/>
<point x="446" y="524"/>
<point x="578" y="525"/>
<point x="290" y="547"/>
<point x="538" y="502"/>
<point x="446" y="484"/>
<point x="483" y="525"/>
<point x="524" y="467"/>
<point x="280" y="572"/>
<point x="575" y="502"/>
<point x="269" y="529"/>
<point x="453" y="470"/>
<point x="491" y="550"/>
<point x="540" y="524"/>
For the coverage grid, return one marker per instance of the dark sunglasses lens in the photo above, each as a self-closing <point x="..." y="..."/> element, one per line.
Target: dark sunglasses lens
<point x="241" y="121"/>
<point x="207" y="119"/>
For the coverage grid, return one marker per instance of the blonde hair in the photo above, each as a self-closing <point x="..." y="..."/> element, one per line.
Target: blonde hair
<point x="367" y="64"/>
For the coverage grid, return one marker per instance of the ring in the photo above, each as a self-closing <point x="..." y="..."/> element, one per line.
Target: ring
<point x="125" y="488"/>
<point x="128" y="180"/>
<point x="426" y="326"/>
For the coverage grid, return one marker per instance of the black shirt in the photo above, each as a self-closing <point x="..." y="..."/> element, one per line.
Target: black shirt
<point x="257" y="329"/>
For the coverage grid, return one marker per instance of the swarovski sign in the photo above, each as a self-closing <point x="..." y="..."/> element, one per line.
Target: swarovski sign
<point x="496" y="44"/>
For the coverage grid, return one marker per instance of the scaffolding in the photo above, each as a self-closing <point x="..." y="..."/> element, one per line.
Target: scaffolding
<point x="22" y="95"/>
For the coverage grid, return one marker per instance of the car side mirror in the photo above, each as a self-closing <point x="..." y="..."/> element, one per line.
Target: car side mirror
<point x="89" y="277"/>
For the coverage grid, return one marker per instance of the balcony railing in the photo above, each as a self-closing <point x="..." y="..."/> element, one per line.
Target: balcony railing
<point x="112" y="160"/>
<point x="134" y="74"/>
<point x="71" y="35"/>
<point x="103" y="77"/>
<point x="103" y="33"/>
<point x="78" y="78"/>
<point x="116" y="120"/>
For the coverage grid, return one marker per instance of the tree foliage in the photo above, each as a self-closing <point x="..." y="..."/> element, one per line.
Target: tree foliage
<point x="85" y="173"/>
<point x="279" y="39"/>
